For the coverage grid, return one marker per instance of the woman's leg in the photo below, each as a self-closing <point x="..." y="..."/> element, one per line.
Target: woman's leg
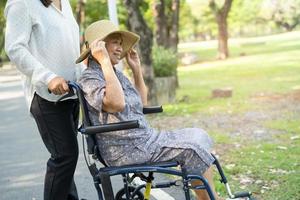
<point x="202" y="194"/>
<point x="57" y="124"/>
<point x="192" y="162"/>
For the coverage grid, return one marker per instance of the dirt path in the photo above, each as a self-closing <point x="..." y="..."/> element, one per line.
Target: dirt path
<point x="249" y="125"/>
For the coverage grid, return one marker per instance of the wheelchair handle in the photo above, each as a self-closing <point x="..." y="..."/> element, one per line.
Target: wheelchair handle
<point x="110" y="127"/>
<point x="72" y="85"/>
<point x="152" y="109"/>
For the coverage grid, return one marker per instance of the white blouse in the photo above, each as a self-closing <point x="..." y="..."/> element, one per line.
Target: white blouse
<point x="43" y="43"/>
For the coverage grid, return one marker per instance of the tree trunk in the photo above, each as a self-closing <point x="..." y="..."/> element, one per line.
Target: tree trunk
<point x="1" y="46"/>
<point x="222" y="38"/>
<point x="137" y="24"/>
<point x="80" y="17"/>
<point x="166" y="34"/>
<point x="221" y="15"/>
<point x="80" y="12"/>
<point x="161" y="22"/>
<point x="173" y="40"/>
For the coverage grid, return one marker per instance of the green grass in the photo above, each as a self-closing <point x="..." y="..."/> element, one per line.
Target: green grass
<point x="277" y="168"/>
<point x="273" y="167"/>
<point x="274" y="170"/>
<point x="291" y="126"/>
<point x="220" y="138"/>
<point x="269" y="65"/>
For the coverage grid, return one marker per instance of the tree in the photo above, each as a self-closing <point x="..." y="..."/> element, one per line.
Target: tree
<point x="221" y="15"/>
<point x="91" y="11"/>
<point x="87" y="12"/>
<point x="166" y="14"/>
<point x="244" y="18"/>
<point x="286" y="14"/>
<point x="2" y="25"/>
<point x="80" y="12"/>
<point x="173" y="40"/>
<point x="160" y="22"/>
<point x="136" y="23"/>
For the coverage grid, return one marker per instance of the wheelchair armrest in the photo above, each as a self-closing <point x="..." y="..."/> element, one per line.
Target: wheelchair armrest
<point x="164" y="164"/>
<point x="110" y="127"/>
<point x="152" y="109"/>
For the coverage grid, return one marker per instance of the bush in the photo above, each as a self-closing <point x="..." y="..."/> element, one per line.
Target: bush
<point x="164" y="61"/>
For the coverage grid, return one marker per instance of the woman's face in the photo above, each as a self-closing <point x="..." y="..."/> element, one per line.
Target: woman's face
<point x="113" y="44"/>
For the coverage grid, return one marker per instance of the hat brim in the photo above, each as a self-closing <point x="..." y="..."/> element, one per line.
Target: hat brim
<point x="83" y="55"/>
<point x="129" y="39"/>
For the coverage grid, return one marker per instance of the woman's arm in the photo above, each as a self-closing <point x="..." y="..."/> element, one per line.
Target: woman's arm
<point x="134" y="63"/>
<point x="113" y="100"/>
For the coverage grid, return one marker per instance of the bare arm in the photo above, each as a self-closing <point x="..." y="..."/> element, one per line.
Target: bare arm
<point x="134" y="63"/>
<point x="113" y="100"/>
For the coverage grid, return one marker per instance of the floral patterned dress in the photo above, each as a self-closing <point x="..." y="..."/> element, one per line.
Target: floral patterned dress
<point x="189" y="146"/>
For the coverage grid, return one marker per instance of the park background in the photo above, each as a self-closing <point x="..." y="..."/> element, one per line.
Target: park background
<point x="232" y="68"/>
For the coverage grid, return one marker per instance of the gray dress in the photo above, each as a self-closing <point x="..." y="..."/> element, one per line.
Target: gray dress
<point x="189" y="146"/>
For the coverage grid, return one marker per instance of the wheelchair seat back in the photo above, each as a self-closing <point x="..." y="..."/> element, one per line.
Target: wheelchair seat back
<point x="91" y="141"/>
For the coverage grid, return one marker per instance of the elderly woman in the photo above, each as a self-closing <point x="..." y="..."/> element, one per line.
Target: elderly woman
<point x="112" y="97"/>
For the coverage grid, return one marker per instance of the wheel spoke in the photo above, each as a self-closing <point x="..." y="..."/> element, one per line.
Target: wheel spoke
<point x="121" y="195"/>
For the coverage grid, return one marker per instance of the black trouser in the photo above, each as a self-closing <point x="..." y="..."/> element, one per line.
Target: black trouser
<point x="57" y="124"/>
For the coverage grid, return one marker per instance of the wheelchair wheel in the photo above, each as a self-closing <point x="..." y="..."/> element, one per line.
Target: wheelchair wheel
<point x="121" y="195"/>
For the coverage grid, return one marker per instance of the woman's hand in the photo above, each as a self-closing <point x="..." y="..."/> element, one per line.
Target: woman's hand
<point x="134" y="63"/>
<point x="58" y="86"/>
<point x="99" y="52"/>
<point x="133" y="60"/>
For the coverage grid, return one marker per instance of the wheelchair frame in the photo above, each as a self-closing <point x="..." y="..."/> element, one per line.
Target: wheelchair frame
<point x="101" y="176"/>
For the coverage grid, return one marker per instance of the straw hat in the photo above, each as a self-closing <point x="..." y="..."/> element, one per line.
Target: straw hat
<point x="100" y="30"/>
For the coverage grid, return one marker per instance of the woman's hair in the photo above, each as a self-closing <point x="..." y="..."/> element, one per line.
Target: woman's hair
<point x="46" y="3"/>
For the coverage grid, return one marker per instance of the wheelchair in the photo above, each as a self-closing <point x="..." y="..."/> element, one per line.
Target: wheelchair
<point x="131" y="191"/>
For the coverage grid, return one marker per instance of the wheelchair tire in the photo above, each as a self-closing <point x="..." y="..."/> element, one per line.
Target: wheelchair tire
<point x="122" y="196"/>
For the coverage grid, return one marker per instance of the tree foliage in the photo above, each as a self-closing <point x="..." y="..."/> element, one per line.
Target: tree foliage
<point x="94" y="10"/>
<point x="286" y="13"/>
<point x="244" y="13"/>
<point x="2" y="25"/>
<point x="246" y="18"/>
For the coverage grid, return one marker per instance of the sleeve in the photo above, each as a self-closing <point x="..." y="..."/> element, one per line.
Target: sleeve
<point x="79" y="70"/>
<point x="93" y="86"/>
<point x="17" y="36"/>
